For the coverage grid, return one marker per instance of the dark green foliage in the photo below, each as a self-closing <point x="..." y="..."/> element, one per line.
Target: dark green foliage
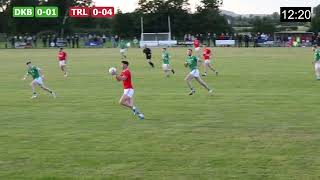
<point x="207" y="18"/>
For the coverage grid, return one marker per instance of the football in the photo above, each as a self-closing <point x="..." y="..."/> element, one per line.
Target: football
<point x="112" y="70"/>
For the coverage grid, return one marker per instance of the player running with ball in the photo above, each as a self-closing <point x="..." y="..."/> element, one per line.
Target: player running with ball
<point x="207" y="56"/>
<point x="62" y="57"/>
<point x="127" y="98"/>
<point x="166" y="62"/>
<point x="316" y="61"/>
<point x="37" y="76"/>
<point x="192" y="63"/>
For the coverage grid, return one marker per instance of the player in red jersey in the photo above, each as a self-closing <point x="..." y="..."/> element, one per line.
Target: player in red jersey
<point x="126" y="99"/>
<point x="196" y="45"/>
<point x="207" y="55"/>
<point x="62" y="57"/>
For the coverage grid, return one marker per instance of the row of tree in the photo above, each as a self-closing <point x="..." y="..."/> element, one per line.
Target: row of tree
<point x="155" y="12"/>
<point x="206" y="18"/>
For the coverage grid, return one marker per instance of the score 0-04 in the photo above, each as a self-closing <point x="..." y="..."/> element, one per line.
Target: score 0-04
<point x="94" y="12"/>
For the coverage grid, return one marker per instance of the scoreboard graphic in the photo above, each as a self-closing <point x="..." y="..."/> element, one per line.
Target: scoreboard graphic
<point x="53" y="12"/>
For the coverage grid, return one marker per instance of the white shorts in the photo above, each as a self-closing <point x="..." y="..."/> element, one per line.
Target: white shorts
<point x="62" y="63"/>
<point x="165" y="67"/>
<point x="128" y="92"/>
<point x="208" y="61"/>
<point x="317" y="65"/>
<point x="197" y="49"/>
<point x="38" y="80"/>
<point x="195" y="73"/>
<point x="122" y="50"/>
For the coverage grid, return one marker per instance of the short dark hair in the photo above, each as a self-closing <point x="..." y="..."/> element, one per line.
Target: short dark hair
<point x="125" y="62"/>
<point x="29" y="62"/>
<point x="164" y="48"/>
<point x="190" y="50"/>
<point x="61" y="48"/>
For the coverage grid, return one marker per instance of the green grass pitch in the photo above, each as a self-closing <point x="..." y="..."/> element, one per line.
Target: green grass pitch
<point x="262" y="123"/>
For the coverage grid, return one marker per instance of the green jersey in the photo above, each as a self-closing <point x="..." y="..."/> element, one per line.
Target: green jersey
<point x="192" y="62"/>
<point x="317" y="55"/>
<point x="34" y="72"/>
<point x="165" y="57"/>
<point x="122" y="45"/>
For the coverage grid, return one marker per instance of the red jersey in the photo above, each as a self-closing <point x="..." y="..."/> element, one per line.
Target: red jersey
<point x="62" y="56"/>
<point x="206" y="54"/>
<point x="126" y="83"/>
<point x="196" y="43"/>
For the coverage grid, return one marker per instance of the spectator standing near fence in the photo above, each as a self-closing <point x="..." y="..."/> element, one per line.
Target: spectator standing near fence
<point x="44" y="41"/>
<point x="77" y="40"/>
<point x="49" y="40"/>
<point x="12" y="40"/>
<point x="35" y="39"/>
<point x="68" y="40"/>
<point x="318" y="40"/>
<point x="214" y="38"/>
<point x="116" y="40"/>
<point x="246" y="40"/>
<point x="255" y="40"/>
<point x="113" y="42"/>
<point x="208" y="39"/>
<point x="73" y="41"/>
<point x="104" y="37"/>
<point x="55" y="39"/>
<point x="240" y="40"/>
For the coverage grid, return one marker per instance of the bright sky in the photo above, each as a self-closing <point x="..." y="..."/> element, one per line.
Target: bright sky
<point x="237" y="6"/>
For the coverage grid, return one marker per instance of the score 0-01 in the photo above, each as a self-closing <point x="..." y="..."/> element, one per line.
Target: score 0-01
<point x="95" y="12"/>
<point x="38" y="11"/>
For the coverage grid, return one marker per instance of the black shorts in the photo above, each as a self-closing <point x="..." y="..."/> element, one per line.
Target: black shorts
<point x="148" y="56"/>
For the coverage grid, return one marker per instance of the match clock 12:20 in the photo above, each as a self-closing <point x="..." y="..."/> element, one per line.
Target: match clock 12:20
<point x="295" y="14"/>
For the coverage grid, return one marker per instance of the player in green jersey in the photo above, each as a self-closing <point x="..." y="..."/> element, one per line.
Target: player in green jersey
<point x="192" y="63"/>
<point x="316" y="61"/>
<point x="123" y="49"/>
<point x="166" y="62"/>
<point x="37" y="76"/>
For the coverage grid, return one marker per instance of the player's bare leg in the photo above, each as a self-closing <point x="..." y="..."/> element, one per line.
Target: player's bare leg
<point x="170" y="69"/>
<point x="33" y="87"/>
<point x="205" y="69"/>
<point x="47" y="89"/>
<point x="203" y="84"/>
<point x="206" y="66"/>
<point x="150" y="63"/>
<point x="166" y="73"/>
<point x="64" y="70"/>
<point x="123" y="56"/>
<point x="188" y="79"/>
<point x="317" y="70"/>
<point x="127" y="101"/>
<point x="212" y="69"/>
<point x="124" y="101"/>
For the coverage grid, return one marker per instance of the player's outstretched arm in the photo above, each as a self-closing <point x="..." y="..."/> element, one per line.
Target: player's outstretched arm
<point x="199" y="60"/>
<point x="25" y="76"/>
<point x="41" y="73"/>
